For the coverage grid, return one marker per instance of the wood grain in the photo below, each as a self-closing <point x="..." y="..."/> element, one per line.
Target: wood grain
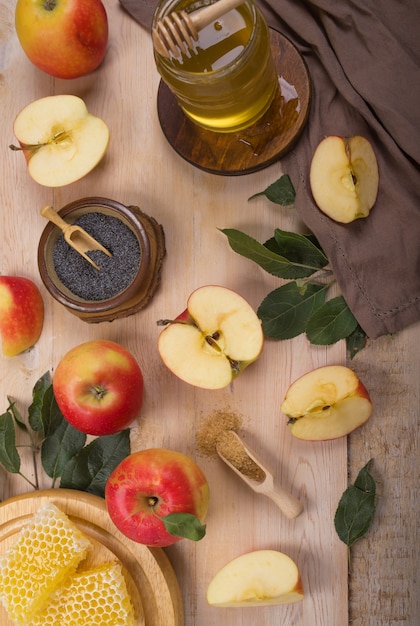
<point x="142" y="169"/>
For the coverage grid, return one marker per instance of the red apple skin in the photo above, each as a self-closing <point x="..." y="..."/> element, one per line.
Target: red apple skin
<point x="98" y="386"/>
<point x="150" y="484"/>
<point x="64" y="38"/>
<point x="21" y="314"/>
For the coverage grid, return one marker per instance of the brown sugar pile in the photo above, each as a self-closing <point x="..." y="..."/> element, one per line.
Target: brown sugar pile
<point x="215" y="431"/>
<point x="234" y="452"/>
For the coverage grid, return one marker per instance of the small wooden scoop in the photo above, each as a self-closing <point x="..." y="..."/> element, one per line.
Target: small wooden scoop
<point x="263" y="482"/>
<point x="177" y="32"/>
<point x="75" y="236"/>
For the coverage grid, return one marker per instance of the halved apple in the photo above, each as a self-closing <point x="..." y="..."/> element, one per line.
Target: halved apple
<point x="344" y="177"/>
<point x="262" y="577"/>
<point x="213" y="340"/>
<point x="326" y="403"/>
<point x="61" y="140"/>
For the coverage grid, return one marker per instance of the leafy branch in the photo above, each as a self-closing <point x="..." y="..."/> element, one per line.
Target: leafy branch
<point x="302" y="304"/>
<point x="63" y="451"/>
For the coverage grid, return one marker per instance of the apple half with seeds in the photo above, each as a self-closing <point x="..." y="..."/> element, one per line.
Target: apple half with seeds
<point x="60" y="139"/>
<point x="213" y="340"/>
<point x="326" y="403"/>
<point x="344" y="177"/>
<point x="259" y="578"/>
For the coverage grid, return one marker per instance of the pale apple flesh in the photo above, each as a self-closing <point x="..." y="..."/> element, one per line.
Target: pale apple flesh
<point x="212" y="342"/>
<point x="344" y="177"/>
<point x="21" y="314"/>
<point x="61" y="140"/>
<point x="259" y="578"/>
<point x="326" y="403"/>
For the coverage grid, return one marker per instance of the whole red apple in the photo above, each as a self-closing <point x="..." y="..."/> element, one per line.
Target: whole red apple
<point x="21" y="314"/>
<point x="98" y="386"/>
<point x="150" y="484"/>
<point x="64" y="38"/>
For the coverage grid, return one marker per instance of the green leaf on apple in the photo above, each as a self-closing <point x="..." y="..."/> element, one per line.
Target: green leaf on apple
<point x="280" y="192"/>
<point x="330" y="323"/>
<point x="90" y="469"/>
<point x="285" y="312"/>
<point x="184" y="525"/>
<point x="356" y="507"/>
<point x="9" y="456"/>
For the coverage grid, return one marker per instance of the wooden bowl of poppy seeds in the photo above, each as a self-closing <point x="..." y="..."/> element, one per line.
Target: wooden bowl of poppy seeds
<point x="125" y="282"/>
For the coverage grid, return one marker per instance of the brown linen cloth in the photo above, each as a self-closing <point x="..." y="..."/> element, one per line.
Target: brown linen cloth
<point x="363" y="57"/>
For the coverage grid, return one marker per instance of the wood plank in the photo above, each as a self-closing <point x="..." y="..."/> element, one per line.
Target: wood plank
<point x="384" y="586"/>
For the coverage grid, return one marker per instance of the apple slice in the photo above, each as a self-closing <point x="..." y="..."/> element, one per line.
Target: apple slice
<point x="21" y="314"/>
<point x="213" y="340"/>
<point x="326" y="403"/>
<point x="344" y="177"/>
<point x="258" y="578"/>
<point x="61" y="140"/>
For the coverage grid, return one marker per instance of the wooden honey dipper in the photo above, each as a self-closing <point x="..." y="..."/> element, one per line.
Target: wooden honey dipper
<point x="177" y="32"/>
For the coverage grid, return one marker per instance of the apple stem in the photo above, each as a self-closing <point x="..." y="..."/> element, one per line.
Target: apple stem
<point x="164" y="322"/>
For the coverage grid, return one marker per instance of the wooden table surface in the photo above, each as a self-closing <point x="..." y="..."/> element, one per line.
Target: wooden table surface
<point x="142" y="169"/>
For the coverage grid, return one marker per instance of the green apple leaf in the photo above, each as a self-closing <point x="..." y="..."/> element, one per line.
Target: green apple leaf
<point x="90" y="469"/>
<point x="9" y="456"/>
<point x="12" y="408"/>
<point x="300" y="249"/>
<point x="272" y="262"/>
<point x="184" y="525"/>
<point x="280" y="192"/>
<point x="356" y="341"/>
<point x="331" y="322"/>
<point x="59" y="446"/>
<point x="356" y="507"/>
<point x="284" y="313"/>
<point x="41" y="400"/>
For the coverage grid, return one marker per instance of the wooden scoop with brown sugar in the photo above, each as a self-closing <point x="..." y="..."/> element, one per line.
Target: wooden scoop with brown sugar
<point x="247" y="465"/>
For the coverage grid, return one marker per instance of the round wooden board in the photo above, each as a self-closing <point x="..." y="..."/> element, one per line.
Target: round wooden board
<point x="257" y="147"/>
<point x="151" y="581"/>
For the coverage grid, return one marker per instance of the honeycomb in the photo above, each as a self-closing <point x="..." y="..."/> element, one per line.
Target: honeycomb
<point x="96" y="597"/>
<point x="47" y="550"/>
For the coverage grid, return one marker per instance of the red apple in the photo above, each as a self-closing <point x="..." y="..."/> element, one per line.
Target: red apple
<point x="326" y="403"/>
<point x="98" y="386"/>
<point x="64" y="38"/>
<point x="21" y="314"/>
<point x="150" y="484"/>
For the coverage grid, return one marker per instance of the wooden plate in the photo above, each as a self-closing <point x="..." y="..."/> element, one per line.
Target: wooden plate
<point x="150" y="578"/>
<point x="257" y="147"/>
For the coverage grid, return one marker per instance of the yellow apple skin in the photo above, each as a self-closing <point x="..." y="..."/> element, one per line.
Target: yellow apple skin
<point x="64" y="38"/>
<point x="326" y="403"/>
<point x="21" y="314"/>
